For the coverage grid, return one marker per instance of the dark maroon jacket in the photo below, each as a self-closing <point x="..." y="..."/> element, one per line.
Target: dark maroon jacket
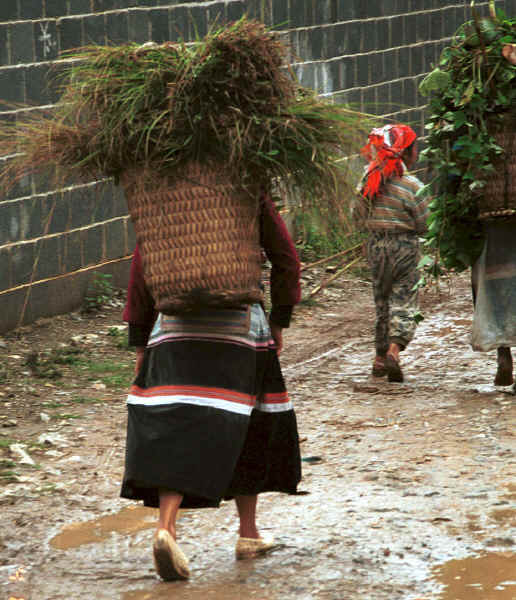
<point x="140" y="312"/>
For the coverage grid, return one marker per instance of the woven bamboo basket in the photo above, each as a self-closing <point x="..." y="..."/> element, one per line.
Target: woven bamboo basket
<point x="499" y="197"/>
<point x="199" y="238"/>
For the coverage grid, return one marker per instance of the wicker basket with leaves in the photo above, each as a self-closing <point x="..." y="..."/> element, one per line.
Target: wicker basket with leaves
<point x="192" y="131"/>
<point x="499" y="194"/>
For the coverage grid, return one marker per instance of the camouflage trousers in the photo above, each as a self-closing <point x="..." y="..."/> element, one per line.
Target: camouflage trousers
<point x="393" y="259"/>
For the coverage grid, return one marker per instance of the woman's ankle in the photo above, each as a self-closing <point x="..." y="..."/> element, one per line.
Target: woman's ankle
<point x="249" y="532"/>
<point x="394" y="350"/>
<point x="170" y="529"/>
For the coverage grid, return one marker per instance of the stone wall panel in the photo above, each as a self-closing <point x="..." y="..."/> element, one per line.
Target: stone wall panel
<point x="370" y="54"/>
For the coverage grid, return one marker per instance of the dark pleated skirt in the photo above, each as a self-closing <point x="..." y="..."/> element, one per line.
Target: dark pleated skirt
<point x="208" y="415"/>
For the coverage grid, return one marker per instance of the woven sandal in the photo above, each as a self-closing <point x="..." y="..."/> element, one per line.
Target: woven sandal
<point x="394" y="372"/>
<point x="253" y="547"/>
<point x="170" y="562"/>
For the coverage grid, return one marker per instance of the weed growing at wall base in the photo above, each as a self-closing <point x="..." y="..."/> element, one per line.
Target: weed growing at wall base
<point x="99" y="293"/>
<point x="319" y="237"/>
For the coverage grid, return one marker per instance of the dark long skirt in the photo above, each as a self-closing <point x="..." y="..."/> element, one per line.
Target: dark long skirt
<point x="208" y="415"/>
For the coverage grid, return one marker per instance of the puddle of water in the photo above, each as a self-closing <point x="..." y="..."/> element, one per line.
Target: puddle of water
<point x="128" y="520"/>
<point x="489" y="576"/>
<point x="506" y="516"/>
<point x="511" y="494"/>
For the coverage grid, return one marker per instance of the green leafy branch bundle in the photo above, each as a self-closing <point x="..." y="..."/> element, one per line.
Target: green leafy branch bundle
<point x="472" y="95"/>
<point x="227" y="99"/>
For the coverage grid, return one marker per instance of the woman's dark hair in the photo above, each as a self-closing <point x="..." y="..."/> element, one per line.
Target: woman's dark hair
<point x="408" y="149"/>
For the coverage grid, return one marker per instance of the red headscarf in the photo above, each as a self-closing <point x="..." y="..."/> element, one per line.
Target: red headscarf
<point x="384" y="151"/>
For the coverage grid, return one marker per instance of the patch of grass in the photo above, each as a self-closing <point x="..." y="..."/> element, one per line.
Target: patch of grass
<point x="68" y="355"/>
<point x="7" y="464"/>
<point x="321" y="235"/>
<point x="309" y="301"/>
<point x="9" y="476"/>
<point x="100" y="367"/>
<point x="118" y="381"/>
<point x="6" y="442"/>
<point x="37" y="446"/>
<point x="43" y="365"/>
<point x="85" y="400"/>
<point x="53" y="404"/>
<point x="120" y="338"/>
<point x="111" y="373"/>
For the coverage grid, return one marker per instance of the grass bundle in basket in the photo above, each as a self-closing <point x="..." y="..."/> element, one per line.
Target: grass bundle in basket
<point x="226" y="100"/>
<point x="471" y="134"/>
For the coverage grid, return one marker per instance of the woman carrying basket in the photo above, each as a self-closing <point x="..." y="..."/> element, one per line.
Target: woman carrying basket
<point x="209" y="417"/>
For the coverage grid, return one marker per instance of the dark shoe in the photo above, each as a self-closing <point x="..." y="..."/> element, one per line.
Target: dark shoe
<point x="170" y="562"/>
<point x="504" y="371"/>
<point x="394" y="372"/>
<point x="504" y="375"/>
<point x="379" y="369"/>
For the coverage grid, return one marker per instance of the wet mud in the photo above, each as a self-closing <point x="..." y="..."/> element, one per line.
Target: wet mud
<point x="487" y="575"/>
<point x="127" y="521"/>
<point x="409" y="490"/>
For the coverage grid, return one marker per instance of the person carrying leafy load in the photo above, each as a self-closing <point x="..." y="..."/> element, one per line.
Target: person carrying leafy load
<point x="392" y="213"/>
<point x="197" y="135"/>
<point x="209" y="417"/>
<point x="493" y="240"/>
<point x="470" y="149"/>
<point x="493" y="279"/>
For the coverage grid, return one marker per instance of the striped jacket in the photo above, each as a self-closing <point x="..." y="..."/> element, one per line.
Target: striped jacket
<point x="395" y="208"/>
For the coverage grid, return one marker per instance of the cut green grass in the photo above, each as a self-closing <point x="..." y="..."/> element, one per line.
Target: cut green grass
<point x="226" y="99"/>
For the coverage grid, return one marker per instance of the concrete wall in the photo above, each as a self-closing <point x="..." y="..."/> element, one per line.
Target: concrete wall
<point x="370" y="53"/>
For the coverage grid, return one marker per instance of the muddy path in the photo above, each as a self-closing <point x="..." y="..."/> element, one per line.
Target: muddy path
<point x="409" y="490"/>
